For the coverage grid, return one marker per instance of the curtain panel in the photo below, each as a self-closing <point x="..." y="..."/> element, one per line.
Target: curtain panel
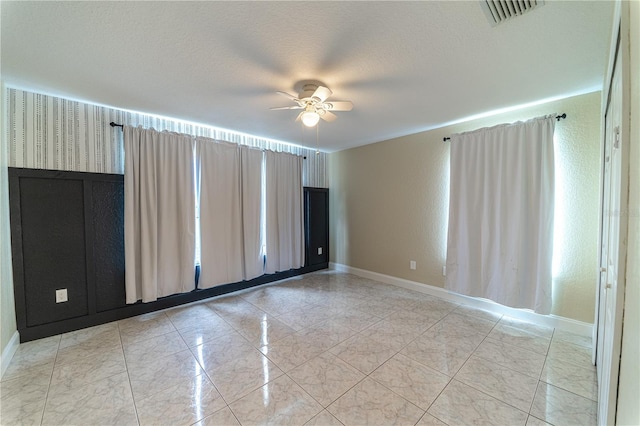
<point x="230" y="191"/>
<point x="251" y="175"/>
<point x="248" y="200"/>
<point x="284" y="212"/>
<point x="159" y="213"/>
<point x="501" y="210"/>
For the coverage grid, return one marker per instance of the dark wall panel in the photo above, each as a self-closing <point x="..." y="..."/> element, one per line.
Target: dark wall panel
<point x="317" y="216"/>
<point x="108" y="244"/>
<point x="53" y="242"/>
<point x="67" y="231"/>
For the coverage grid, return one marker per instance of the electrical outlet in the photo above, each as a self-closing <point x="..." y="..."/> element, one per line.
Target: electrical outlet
<point x="412" y="264"/>
<point x="444" y="271"/>
<point x="61" y="295"/>
<point x="319" y="250"/>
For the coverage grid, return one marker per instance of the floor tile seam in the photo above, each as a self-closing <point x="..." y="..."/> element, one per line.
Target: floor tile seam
<point x="498" y="341"/>
<point x="397" y="394"/>
<point x="158" y="313"/>
<point x="436" y="398"/>
<point x="572" y="346"/>
<point x="535" y="394"/>
<point x="477" y="316"/>
<point x="391" y="390"/>
<point x="419" y="361"/>
<point x="164" y="388"/>
<point x="570" y="391"/>
<point x="46" y="399"/>
<point x="224" y="334"/>
<point x="493" y="397"/>
<point x="530" y="323"/>
<point x="537" y="377"/>
<point x="471" y="354"/>
<point x="103" y="351"/>
<point x="519" y="346"/>
<point x="223" y="364"/>
<point x="217" y="411"/>
<point x="85" y="384"/>
<point x="137" y="338"/>
<point x="188" y="327"/>
<point x="143" y="360"/>
<point x="429" y="414"/>
<point x="591" y="367"/>
<point x="393" y="348"/>
<point x="505" y="366"/>
<point x="133" y="399"/>
<point x="159" y="357"/>
<point x="542" y="420"/>
<point x="312" y="397"/>
<point x="242" y="395"/>
<point x="527" y="334"/>
<point x="567" y="342"/>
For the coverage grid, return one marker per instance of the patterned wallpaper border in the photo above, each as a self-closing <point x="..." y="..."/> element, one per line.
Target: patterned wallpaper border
<point x="48" y="132"/>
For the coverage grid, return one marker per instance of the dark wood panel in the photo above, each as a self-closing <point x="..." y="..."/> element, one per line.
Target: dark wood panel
<point x="53" y="244"/>
<point x="67" y="231"/>
<point x="108" y="244"/>
<point x="317" y="225"/>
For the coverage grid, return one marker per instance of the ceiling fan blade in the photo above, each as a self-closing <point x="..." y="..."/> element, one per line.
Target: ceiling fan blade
<point x="339" y="106"/>
<point x="322" y="93"/>
<point x="286" y="107"/>
<point x="328" y="116"/>
<point x="287" y="95"/>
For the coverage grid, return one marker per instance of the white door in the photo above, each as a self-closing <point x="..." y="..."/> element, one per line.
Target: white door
<point x="610" y="301"/>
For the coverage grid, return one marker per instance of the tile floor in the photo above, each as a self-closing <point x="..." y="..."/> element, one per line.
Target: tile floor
<point x="323" y="349"/>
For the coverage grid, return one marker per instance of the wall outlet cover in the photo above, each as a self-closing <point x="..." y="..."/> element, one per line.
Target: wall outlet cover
<point x="412" y="264"/>
<point x="61" y="295"/>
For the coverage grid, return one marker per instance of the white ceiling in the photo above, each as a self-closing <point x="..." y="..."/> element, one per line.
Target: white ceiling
<point x="406" y="66"/>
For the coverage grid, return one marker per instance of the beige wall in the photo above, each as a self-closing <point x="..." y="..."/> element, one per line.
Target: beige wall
<point x="389" y="203"/>
<point x="7" y="307"/>
<point x="628" y="412"/>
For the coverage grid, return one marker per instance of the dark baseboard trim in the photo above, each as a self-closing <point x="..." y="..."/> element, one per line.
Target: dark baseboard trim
<point x="72" y="324"/>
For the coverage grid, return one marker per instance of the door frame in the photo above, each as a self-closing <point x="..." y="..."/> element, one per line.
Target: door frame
<point x="619" y="43"/>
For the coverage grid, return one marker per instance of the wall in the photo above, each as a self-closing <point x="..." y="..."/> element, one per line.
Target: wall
<point x="7" y="308"/>
<point x="46" y="132"/>
<point x="628" y="410"/>
<point x="389" y="203"/>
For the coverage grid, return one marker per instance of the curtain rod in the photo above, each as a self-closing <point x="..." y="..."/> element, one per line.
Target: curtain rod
<point x="113" y="124"/>
<point x="558" y="117"/>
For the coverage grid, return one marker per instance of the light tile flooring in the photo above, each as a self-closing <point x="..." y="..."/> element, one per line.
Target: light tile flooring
<point x="323" y="349"/>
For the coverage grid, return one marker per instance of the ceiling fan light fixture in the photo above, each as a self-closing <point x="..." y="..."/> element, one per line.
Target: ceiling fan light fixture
<point x="310" y="118"/>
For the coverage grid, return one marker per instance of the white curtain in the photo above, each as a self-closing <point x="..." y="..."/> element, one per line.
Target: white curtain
<point x="159" y="214"/>
<point x="284" y="212"/>
<point x="501" y="206"/>
<point x="221" y="231"/>
<point x="251" y="183"/>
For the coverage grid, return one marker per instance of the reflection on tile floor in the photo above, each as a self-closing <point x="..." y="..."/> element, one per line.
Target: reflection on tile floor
<point x="323" y="349"/>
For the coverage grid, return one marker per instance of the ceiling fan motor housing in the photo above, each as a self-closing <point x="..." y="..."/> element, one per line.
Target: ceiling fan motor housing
<point x="307" y="91"/>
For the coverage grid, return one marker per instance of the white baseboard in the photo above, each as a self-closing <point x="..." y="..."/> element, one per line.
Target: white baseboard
<point x="562" y="323"/>
<point x="8" y="352"/>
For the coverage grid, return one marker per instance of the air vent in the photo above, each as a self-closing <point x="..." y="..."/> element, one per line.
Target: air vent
<point x="498" y="11"/>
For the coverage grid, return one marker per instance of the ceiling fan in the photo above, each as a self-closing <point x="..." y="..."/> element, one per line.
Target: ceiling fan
<point x="313" y="101"/>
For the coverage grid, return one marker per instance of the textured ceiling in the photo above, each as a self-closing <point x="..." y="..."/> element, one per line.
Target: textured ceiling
<point x="406" y="66"/>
